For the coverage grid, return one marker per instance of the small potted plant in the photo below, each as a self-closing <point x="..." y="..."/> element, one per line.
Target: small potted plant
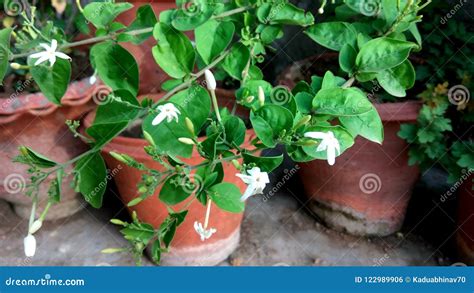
<point x="30" y="110"/>
<point x="367" y="191"/>
<point x="201" y="162"/>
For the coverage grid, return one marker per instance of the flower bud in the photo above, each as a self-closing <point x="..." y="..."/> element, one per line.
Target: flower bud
<point x="118" y="157"/>
<point x="249" y="99"/>
<point x="112" y="250"/>
<point x="302" y="121"/>
<point x="186" y="140"/>
<point x="30" y="245"/>
<point x="148" y="138"/>
<point x="189" y="125"/>
<point x="210" y="80"/>
<point x="236" y="164"/>
<point x="15" y="65"/>
<point x="35" y="226"/>
<point x="321" y="10"/>
<point x="261" y="96"/>
<point x="24" y="151"/>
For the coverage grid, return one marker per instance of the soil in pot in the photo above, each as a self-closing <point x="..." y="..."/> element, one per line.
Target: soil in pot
<point x="368" y="189"/>
<point x="187" y="247"/>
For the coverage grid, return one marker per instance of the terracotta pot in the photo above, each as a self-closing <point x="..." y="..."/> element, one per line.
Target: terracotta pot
<point x="368" y="189"/>
<point x="465" y="231"/>
<point x="226" y="98"/>
<point x="152" y="75"/>
<point x="31" y="120"/>
<point x="187" y="247"/>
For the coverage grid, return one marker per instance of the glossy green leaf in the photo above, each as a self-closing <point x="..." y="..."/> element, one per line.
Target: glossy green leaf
<point x="175" y="190"/>
<point x="333" y="35"/>
<point x="53" y="81"/>
<point x="266" y="164"/>
<point x="4" y="51"/>
<point x="382" y="53"/>
<point x="398" y="79"/>
<point x="347" y="58"/>
<point x="145" y="18"/>
<point x="116" y="66"/>
<point x="227" y="197"/>
<point x="191" y="14"/>
<point x="284" y="13"/>
<point x="212" y="38"/>
<point x="368" y="125"/>
<point x="234" y="64"/>
<point x="101" y="14"/>
<point x="341" y="102"/>
<point x="91" y="178"/>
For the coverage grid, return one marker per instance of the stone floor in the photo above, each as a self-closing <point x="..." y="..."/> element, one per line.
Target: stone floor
<point x="275" y="232"/>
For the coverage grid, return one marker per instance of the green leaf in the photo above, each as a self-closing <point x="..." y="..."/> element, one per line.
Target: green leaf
<point x="116" y="66"/>
<point x="52" y="81"/>
<point x="91" y="178"/>
<point x="37" y="159"/>
<point x="101" y="14"/>
<point x="270" y="121"/>
<point x="347" y="58"/>
<point x="304" y="102"/>
<point x="368" y="125"/>
<point x="331" y="81"/>
<point x="333" y="35"/>
<point x="209" y="145"/>
<point x="284" y="13"/>
<point x="145" y="18"/>
<point x="156" y="252"/>
<point x="398" y="79"/>
<point x="4" y="51"/>
<point x="383" y="53"/>
<point x="227" y="197"/>
<point x="113" y="116"/>
<point x="341" y="102"/>
<point x="54" y="190"/>
<point x="234" y="130"/>
<point x="175" y="190"/>
<point x="192" y="14"/>
<point x="212" y="38"/>
<point x="266" y="164"/>
<point x="234" y="63"/>
<point x="174" y="51"/>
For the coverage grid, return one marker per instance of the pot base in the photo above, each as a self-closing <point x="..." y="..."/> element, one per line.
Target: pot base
<point x="61" y="210"/>
<point x="207" y="254"/>
<point x="344" y="219"/>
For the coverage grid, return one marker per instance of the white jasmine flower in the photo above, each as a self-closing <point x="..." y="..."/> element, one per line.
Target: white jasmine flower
<point x="256" y="181"/>
<point x="30" y="245"/>
<point x="210" y="80"/>
<point x="203" y="232"/>
<point x="168" y="111"/>
<point x="35" y="226"/>
<point x="329" y="143"/>
<point x="49" y="53"/>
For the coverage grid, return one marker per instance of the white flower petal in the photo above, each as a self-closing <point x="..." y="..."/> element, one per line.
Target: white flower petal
<point x="158" y="119"/>
<point x="38" y="55"/>
<point x="30" y="245"/>
<point x="62" y="55"/>
<point x="46" y="47"/>
<point x="331" y="154"/>
<point x="248" y="192"/>
<point x="41" y="60"/>
<point x="52" y="60"/>
<point x="316" y="135"/>
<point x="54" y="45"/>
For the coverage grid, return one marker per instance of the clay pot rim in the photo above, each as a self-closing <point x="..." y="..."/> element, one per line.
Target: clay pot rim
<point x="14" y="107"/>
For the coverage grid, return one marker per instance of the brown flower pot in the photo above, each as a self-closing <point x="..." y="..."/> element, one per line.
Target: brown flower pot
<point x="152" y="75"/>
<point x="465" y="232"/>
<point x="187" y="247"/>
<point x="368" y="189"/>
<point x="31" y="120"/>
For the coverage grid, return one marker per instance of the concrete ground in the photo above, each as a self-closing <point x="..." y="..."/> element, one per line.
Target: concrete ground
<point x="275" y="232"/>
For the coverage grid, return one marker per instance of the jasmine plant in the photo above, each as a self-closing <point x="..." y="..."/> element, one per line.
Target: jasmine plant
<point x="317" y="120"/>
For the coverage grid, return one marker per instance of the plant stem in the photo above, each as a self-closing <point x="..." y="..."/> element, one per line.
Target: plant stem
<point x="216" y="106"/>
<point x="348" y="83"/>
<point x="232" y="12"/>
